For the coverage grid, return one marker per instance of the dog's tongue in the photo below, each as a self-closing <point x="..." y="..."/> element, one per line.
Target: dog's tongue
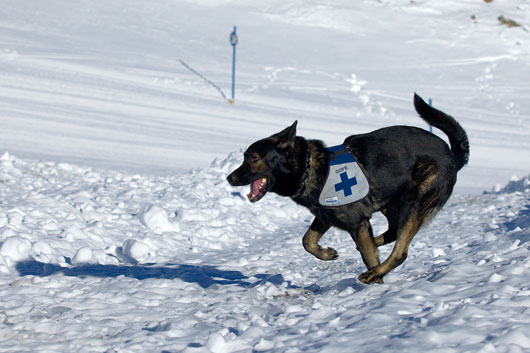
<point x="254" y="188"/>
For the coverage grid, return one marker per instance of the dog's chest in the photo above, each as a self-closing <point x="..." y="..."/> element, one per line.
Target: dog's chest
<point x="346" y="182"/>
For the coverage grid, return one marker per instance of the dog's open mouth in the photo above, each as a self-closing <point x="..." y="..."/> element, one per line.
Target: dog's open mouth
<point x="258" y="189"/>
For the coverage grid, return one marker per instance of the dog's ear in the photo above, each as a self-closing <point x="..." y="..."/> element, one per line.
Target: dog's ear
<point x="285" y="139"/>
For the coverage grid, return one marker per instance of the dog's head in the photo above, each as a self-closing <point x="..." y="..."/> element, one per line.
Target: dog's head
<point x="265" y="163"/>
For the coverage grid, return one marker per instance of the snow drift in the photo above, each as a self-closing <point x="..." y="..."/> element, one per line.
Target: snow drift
<point x="92" y="260"/>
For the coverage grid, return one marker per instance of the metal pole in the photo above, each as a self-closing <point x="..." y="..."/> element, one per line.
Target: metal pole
<point x="233" y="41"/>
<point x="430" y="103"/>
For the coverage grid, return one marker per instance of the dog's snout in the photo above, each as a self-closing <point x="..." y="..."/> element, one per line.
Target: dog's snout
<point x="233" y="178"/>
<point x="237" y="179"/>
<point x="230" y="178"/>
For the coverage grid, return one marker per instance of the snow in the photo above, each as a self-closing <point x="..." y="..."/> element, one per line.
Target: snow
<point x="118" y="233"/>
<point x="102" y="85"/>
<point x="234" y="276"/>
<point x="15" y="249"/>
<point x="82" y="256"/>
<point x="135" y="249"/>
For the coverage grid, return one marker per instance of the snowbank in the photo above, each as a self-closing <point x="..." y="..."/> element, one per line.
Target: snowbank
<point x="516" y="185"/>
<point x="186" y="263"/>
<point x="67" y="214"/>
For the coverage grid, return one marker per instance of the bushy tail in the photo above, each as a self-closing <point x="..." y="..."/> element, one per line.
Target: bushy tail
<point x="457" y="136"/>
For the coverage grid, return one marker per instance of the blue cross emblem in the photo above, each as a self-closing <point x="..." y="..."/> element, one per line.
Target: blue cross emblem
<point x="346" y="184"/>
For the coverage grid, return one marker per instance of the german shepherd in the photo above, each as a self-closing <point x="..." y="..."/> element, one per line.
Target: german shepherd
<point x="410" y="173"/>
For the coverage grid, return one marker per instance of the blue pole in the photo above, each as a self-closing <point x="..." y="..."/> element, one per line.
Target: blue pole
<point x="233" y="40"/>
<point x="430" y="103"/>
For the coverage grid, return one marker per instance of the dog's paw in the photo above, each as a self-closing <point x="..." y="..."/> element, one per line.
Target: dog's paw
<point x="328" y="254"/>
<point x="370" y="276"/>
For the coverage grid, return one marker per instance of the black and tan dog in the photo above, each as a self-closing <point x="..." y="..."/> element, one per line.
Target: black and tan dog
<point x="410" y="172"/>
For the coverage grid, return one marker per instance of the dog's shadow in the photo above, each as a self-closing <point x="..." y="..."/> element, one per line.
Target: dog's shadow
<point x="204" y="276"/>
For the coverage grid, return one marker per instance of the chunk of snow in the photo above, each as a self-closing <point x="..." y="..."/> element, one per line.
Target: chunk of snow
<point x="15" y="248"/>
<point x="496" y="278"/>
<point x="156" y="219"/>
<point x="437" y="252"/>
<point x="216" y="343"/>
<point x="136" y="249"/>
<point x="82" y="256"/>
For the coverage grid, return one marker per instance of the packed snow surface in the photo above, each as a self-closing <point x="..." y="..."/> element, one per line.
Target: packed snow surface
<point x="118" y="233"/>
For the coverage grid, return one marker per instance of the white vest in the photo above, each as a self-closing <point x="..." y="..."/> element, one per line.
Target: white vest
<point x="346" y="182"/>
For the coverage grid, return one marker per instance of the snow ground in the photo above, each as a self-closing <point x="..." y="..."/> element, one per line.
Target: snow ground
<point x="110" y="262"/>
<point x="110" y="243"/>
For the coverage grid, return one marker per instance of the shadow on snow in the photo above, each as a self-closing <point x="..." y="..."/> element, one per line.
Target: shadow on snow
<point x="520" y="225"/>
<point x="204" y="276"/>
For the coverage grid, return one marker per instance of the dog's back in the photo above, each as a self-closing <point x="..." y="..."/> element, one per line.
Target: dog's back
<point x="391" y="154"/>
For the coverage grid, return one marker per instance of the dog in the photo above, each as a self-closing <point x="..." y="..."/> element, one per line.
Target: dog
<point x="410" y="172"/>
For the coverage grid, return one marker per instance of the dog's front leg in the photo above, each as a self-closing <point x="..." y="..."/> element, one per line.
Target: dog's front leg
<point x="311" y="238"/>
<point x="364" y="239"/>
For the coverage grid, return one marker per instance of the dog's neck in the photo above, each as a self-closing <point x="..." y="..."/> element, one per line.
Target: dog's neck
<point x="306" y="173"/>
<point x="311" y="180"/>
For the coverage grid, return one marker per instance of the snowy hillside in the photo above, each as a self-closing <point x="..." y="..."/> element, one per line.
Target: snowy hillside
<point x="119" y="234"/>
<point x="104" y="261"/>
<point x="100" y="83"/>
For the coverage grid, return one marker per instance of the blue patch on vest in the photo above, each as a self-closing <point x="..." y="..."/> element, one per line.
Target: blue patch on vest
<point x="346" y="183"/>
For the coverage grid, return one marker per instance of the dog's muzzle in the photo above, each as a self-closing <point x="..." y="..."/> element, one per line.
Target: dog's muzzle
<point x="258" y="187"/>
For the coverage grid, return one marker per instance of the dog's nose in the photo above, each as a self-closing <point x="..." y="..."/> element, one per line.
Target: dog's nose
<point x="230" y="178"/>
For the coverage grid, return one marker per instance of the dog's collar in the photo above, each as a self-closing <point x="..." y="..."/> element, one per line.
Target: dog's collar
<point x="306" y="175"/>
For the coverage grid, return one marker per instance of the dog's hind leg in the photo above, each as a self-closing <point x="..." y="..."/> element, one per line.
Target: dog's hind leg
<point x="404" y="236"/>
<point x="390" y="235"/>
<point x="387" y="237"/>
<point x="364" y="239"/>
<point x="311" y="238"/>
<point x="425" y="196"/>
